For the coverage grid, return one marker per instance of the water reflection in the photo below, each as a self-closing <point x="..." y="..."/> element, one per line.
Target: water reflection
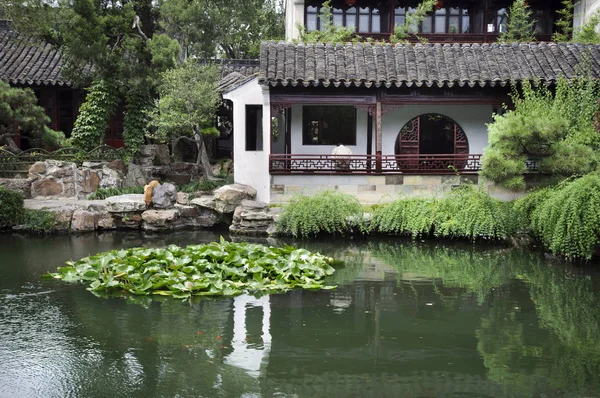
<point x="420" y="319"/>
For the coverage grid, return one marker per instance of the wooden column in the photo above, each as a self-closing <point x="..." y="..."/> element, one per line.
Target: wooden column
<point x="369" y="139"/>
<point x="378" y="135"/>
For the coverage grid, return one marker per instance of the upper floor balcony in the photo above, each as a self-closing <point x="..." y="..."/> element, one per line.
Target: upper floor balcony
<point x="461" y="21"/>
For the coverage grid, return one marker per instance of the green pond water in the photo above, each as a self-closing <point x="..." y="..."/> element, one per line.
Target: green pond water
<point x="409" y="319"/>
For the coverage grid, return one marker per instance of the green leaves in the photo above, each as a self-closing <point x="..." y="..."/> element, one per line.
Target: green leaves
<point x="466" y="213"/>
<point x="215" y="269"/>
<point x="330" y="212"/>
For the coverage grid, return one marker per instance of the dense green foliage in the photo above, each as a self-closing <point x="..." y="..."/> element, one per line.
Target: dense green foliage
<point x="564" y="24"/>
<point x="20" y="113"/>
<point x="567" y="218"/>
<point x="226" y="28"/>
<point x="521" y="24"/>
<point x="327" y="212"/>
<point x="215" y="269"/>
<point x="103" y="193"/>
<point x="11" y="207"/>
<point x="94" y="115"/>
<point x="555" y="128"/>
<point x="138" y="104"/>
<point x="188" y="101"/>
<point x="587" y="33"/>
<point x="40" y="221"/>
<point x="466" y="213"/>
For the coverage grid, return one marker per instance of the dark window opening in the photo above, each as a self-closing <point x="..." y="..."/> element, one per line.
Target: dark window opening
<point x="452" y="20"/>
<point x="254" y="131"/>
<point x="437" y="135"/>
<point x="329" y="125"/>
<point x="361" y="19"/>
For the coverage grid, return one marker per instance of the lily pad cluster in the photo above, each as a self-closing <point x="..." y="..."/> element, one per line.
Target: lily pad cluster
<point x="214" y="269"/>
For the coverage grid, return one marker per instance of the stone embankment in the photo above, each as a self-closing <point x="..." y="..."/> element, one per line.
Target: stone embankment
<point x="164" y="210"/>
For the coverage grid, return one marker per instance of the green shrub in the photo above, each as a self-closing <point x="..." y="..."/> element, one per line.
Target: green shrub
<point x="466" y="213"/>
<point x="567" y="219"/>
<point x="329" y="212"/>
<point x="103" y="193"/>
<point x="200" y="186"/>
<point x="41" y="221"/>
<point x="11" y="207"/>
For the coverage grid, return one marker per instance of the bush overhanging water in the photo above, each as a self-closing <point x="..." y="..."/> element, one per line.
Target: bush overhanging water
<point x="215" y="269"/>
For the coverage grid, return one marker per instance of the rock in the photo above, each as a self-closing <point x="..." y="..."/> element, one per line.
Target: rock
<point x="89" y="181"/>
<point x="92" y="165"/>
<point x="46" y="187"/>
<point x="154" y="219"/>
<point x="155" y="172"/>
<point x="163" y="196"/>
<point x="37" y="169"/>
<point x="206" y="201"/>
<point x="134" y="177"/>
<point x="183" y="198"/>
<point x="222" y="167"/>
<point x="228" y="197"/>
<point x="187" y="211"/>
<point x="148" y="191"/>
<point x="154" y="155"/>
<point x="125" y="203"/>
<point x="21" y="185"/>
<point x="84" y="220"/>
<point x="117" y="165"/>
<point x="110" y="178"/>
<point x="106" y="221"/>
<point x="128" y="220"/>
<point x="252" y="218"/>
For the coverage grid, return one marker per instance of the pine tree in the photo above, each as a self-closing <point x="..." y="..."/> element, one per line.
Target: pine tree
<point x="565" y="23"/>
<point x="520" y="24"/>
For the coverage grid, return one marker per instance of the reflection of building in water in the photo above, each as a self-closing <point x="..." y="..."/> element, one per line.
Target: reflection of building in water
<point x="249" y="353"/>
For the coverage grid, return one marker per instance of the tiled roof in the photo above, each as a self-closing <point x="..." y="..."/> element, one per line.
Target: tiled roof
<point x="27" y="62"/>
<point x="442" y="65"/>
<point x="233" y="80"/>
<point x="245" y="67"/>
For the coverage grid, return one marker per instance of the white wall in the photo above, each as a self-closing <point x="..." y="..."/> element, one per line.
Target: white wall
<point x="584" y="9"/>
<point x="294" y="14"/>
<point x="472" y="118"/>
<point x="251" y="167"/>
<point x="297" y="147"/>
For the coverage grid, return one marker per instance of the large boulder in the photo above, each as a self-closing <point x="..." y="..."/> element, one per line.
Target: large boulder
<point x="159" y="219"/>
<point x="47" y="187"/>
<point x="228" y="197"/>
<point x="251" y="218"/>
<point x="84" y="220"/>
<point x="153" y="155"/>
<point x="135" y="177"/>
<point x="205" y="201"/>
<point x="110" y="178"/>
<point x="22" y="185"/>
<point x="164" y="196"/>
<point x="126" y="203"/>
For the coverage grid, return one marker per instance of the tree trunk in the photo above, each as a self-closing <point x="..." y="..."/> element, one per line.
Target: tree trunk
<point x="11" y="145"/>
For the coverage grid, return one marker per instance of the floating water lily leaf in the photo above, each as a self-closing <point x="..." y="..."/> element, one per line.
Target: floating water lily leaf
<point x="215" y="269"/>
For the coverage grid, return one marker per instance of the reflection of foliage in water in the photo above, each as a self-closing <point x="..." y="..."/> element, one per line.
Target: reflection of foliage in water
<point x="562" y="325"/>
<point x="478" y="271"/>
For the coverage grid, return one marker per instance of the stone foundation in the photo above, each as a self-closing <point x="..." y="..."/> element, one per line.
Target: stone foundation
<point x="374" y="189"/>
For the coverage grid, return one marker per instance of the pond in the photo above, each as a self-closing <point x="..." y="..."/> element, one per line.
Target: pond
<point x="408" y="319"/>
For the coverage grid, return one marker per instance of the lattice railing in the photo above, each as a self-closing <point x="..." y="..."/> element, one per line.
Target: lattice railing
<point x="16" y="164"/>
<point x="359" y="164"/>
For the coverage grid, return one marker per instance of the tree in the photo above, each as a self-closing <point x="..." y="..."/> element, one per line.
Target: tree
<point x="564" y="32"/>
<point x="587" y="33"/>
<point x="223" y="28"/>
<point x="556" y="129"/>
<point x="412" y="21"/>
<point x="110" y="45"/>
<point x="187" y="107"/>
<point x="521" y="25"/>
<point x="20" y="114"/>
<point x="329" y="32"/>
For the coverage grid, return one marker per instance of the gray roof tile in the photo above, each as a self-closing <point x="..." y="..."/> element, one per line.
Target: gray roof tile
<point x="366" y="64"/>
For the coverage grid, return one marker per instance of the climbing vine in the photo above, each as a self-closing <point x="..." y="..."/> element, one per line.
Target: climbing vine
<point x="411" y="23"/>
<point x="94" y="116"/>
<point x="137" y="118"/>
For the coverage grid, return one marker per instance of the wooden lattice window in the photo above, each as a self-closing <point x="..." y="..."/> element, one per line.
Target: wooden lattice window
<point x="431" y="133"/>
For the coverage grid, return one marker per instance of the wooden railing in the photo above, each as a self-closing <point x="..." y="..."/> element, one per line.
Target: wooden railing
<point x="363" y="164"/>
